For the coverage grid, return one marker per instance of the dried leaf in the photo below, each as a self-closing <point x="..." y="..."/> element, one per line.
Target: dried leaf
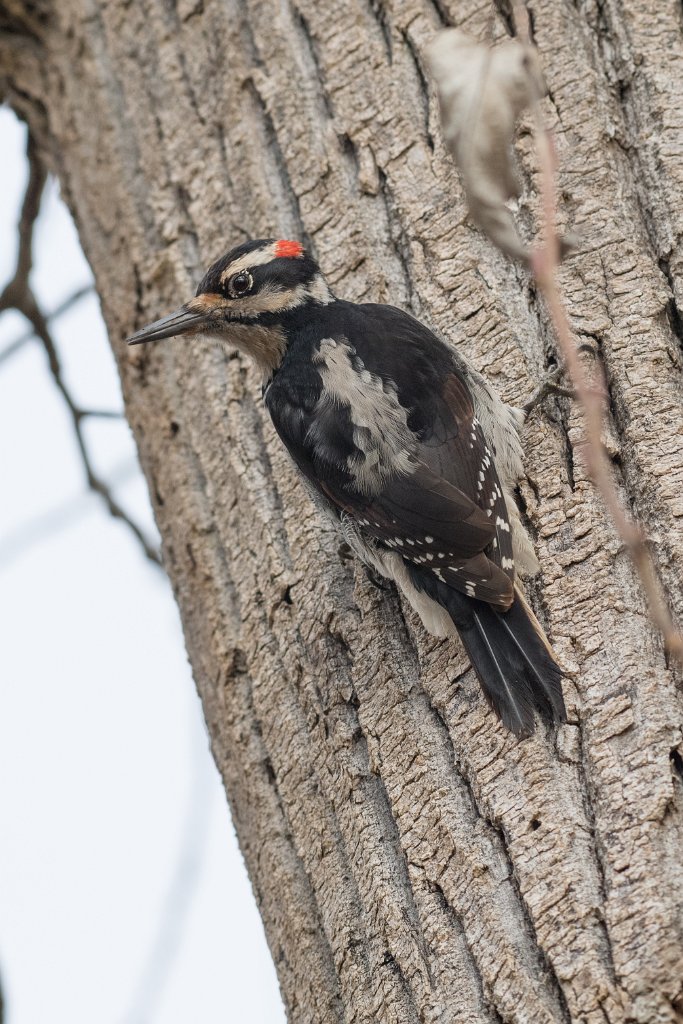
<point x="482" y="91"/>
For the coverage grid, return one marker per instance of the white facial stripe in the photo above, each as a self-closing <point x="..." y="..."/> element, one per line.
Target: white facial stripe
<point x="381" y="434"/>
<point x="271" y="299"/>
<point x="255" y="258"/>
<point x="268" y="299"/>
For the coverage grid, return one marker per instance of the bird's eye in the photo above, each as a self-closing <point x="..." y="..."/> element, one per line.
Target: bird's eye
<point x="240" y="284"/>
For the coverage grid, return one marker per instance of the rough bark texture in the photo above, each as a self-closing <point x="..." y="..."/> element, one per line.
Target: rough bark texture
<point x="411" y="860"/>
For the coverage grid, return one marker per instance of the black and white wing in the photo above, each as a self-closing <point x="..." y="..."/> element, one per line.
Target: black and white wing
<point x="384" y="428"/>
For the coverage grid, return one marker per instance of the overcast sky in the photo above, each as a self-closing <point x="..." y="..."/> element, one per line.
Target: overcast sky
<point x="123" y="895"/>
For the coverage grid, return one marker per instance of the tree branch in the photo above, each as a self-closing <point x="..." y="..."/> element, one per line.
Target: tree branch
<point x="63" y="307"/>
<point x="18" y="295"/>
<point x="545" y="262"/>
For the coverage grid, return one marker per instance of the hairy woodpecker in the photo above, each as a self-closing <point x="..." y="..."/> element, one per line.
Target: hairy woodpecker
<point x="403" y="443"/>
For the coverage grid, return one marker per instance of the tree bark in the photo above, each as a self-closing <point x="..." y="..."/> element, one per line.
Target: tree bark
<point x="411" y="860"/>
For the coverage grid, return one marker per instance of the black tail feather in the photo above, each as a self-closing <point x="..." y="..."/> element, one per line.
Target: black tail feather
<point x="510" y="654"/>
<point x="515" y="667"/>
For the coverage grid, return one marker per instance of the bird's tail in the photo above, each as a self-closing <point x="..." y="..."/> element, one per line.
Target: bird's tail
<point x="511" y="656"/>
<point x="515" y="664"/>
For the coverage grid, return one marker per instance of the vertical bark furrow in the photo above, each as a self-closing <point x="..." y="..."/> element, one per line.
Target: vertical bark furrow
<point x="437" y="832"/>
<point x="316" y="988"/>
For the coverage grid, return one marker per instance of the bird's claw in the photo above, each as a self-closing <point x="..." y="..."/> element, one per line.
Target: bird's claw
<point x="376" y="578"/>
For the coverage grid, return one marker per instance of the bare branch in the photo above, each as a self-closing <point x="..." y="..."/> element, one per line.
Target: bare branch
<point x="33" y="314"/>
<point x="17" y="289"/>
<point x="63" y="307"/>
<point x="481" y="91"/>
<point x="592" y="399"/>
<point x="18" y="295"/>
<point x="100" y="414"/>
<point x="491" y="116"/>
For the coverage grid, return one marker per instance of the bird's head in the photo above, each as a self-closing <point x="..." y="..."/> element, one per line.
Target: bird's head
<point x="244" y="298"/>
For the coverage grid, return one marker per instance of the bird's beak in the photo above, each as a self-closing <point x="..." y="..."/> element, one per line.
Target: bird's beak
<point x="186" y="320"/>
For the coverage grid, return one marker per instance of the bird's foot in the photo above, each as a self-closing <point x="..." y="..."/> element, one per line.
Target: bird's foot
<point x="376" y="578"/>
<point x="549" y="386"/>
<point x="345" y="553"/>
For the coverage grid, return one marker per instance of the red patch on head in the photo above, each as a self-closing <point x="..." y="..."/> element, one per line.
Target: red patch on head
<point x="285" y="248"/>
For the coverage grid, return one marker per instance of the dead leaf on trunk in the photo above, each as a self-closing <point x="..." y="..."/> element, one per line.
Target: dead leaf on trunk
<point x="482" y="91"/>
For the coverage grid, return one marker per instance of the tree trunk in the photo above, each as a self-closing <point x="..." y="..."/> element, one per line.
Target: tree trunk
<point x="412" y="861"/>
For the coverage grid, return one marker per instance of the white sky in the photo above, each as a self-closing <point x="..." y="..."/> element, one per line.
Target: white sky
<point x="123" y="896"/>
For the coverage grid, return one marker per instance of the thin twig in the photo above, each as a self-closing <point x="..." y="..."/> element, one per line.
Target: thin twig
<point x="591" y="398"/>
<point x="63" y="307"/>
<point x="18" y="295"/>
<point x="15" y="346"/>
<point x="100" y="414"/>
<point x="95" y="482"/>
<point x="37" y="176"/>
<point x="16" y="290"/>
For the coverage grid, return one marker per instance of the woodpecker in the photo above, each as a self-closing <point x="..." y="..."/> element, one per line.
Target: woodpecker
<point x="403" y="444"/>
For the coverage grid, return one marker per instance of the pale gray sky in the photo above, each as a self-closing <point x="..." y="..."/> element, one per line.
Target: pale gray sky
<point x="123" y="896"/>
